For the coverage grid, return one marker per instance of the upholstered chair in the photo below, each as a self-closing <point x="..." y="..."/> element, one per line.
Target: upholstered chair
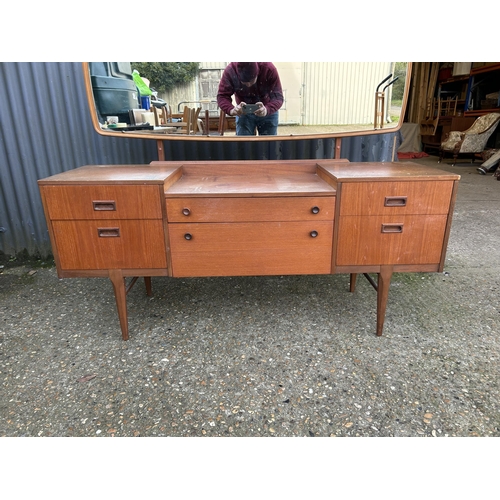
<point x="470" y="141"/>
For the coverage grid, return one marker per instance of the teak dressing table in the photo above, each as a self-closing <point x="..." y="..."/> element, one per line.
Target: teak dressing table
<point x="248" y="218"/>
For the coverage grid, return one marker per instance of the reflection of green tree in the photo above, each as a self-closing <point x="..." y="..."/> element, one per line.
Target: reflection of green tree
<point x="164" y="76"/>
<point x="399" y="85"/>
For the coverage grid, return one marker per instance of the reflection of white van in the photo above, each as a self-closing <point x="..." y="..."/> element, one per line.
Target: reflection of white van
<point x="115" y="92"/>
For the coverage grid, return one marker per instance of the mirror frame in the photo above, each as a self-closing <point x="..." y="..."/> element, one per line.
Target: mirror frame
<point x="291" y="137"/>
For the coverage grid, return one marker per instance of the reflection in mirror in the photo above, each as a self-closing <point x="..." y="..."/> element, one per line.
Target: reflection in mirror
<point x="320" y="98"/>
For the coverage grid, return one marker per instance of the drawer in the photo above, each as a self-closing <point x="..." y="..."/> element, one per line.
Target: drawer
<point x="251" y="249"/>
<point x="110" y="244"/>
<point x="378" y="240"/>
<point x="103" y="202"/>
<point x="391" y="198"/>
<point x="250" y="209"/>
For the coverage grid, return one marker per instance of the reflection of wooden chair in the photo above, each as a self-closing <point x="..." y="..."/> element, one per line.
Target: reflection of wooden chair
<point x="222" y="122"/>
<point x="185" y="123"/>
<point x="195" y="121"/>
<point x="226" y="122"/>
<point x="471" y="141"/>
<point x="181" y="122"/>
<point x="163" y="115"/>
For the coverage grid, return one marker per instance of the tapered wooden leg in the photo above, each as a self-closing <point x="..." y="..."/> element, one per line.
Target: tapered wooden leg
<point x="118" y="280"/>
<point x="149" y="289"/>
<point x="161" y="151"/>
<point x="352" y="282"/>
<point x="384" y="282"/>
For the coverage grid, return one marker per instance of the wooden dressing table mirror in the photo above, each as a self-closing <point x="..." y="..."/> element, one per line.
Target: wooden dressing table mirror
<point x="248" y="218"/>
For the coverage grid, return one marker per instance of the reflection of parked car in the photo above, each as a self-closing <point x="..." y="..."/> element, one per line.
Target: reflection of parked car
<point x="115" y="92"/>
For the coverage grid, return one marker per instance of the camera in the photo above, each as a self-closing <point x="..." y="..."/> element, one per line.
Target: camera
<point x="250" y="109"/>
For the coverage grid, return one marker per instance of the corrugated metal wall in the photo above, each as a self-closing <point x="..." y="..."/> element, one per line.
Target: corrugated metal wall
<point x="45" y="128"/>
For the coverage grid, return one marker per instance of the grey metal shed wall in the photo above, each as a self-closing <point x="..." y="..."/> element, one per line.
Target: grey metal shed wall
<point x="45" y="129"/>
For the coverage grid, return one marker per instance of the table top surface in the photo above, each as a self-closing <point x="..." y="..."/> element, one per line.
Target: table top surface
<point x="250" y="176"/>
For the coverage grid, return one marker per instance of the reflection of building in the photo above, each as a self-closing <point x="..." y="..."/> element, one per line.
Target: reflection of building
<point x="316" y="93"/>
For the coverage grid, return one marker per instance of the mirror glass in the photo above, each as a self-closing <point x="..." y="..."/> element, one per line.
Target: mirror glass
<point x="321" y="99"/>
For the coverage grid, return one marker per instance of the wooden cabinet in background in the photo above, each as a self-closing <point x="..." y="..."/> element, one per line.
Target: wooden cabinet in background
<point x="476" y="94"/>
<point x="483" y="94"/>
<point x="453" y="88"/>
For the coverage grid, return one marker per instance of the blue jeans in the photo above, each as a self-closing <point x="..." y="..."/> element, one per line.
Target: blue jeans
<point x="265" y="125"/>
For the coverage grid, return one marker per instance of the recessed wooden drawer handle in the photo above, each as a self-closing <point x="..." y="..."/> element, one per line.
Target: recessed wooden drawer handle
<point x="188" y="236"/>
<point x="104" y="206"/>
<point x="395" y="201"/>
<point x="186" y="211"/>
<point x="392" y="228"/>
<point x="315" y="210"/>
<point x="313" y="234"/>
<point x="108" y="232"/>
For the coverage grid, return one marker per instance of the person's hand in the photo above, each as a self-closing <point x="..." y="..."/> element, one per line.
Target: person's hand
<point x="237" y="110"/>
<point x="262" y="111"/>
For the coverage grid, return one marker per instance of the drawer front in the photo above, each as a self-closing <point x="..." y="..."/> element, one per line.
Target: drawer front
<point x="251" y="249"/>
<point x="250" y="209"/>
<point x="103" y="202"/>
<point x="110" y="244"/>
<point x="396" y="198"/>
<point x="411" y="239"/>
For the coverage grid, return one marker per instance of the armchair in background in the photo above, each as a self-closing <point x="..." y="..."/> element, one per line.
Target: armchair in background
<point x="470" y="141"/>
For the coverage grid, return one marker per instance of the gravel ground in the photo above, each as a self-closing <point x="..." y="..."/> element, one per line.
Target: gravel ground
<point x="262" y="356"/>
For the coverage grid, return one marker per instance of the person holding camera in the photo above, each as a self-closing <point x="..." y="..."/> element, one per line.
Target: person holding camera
<point x="256" y="88"/>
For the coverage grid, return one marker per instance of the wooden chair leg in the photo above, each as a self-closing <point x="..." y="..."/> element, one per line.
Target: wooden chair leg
<point x="222" y="122"/>
<point x="206" y="123"/>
